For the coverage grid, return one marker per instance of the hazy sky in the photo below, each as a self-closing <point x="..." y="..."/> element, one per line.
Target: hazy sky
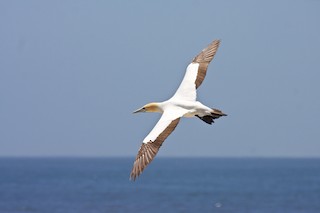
<point x="72" y="73"/>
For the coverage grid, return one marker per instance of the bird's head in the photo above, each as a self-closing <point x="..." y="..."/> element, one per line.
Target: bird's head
<point x="151" y="107"/>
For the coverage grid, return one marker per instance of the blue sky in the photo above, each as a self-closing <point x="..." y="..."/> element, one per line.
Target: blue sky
<point x="72" y="72"/>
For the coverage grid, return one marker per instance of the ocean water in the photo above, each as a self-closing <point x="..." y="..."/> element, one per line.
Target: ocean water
<point x="92" y="185"/>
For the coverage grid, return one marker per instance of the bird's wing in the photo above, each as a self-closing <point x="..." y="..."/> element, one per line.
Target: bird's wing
<point x="151" y="144"/>
<point x="196" y="72"/>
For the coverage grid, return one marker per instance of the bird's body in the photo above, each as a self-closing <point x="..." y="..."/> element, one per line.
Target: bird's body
<point x="182" y="104"/>
<point x="188" y="108"/>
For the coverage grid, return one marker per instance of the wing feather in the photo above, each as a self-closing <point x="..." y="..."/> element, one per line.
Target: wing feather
<point x="149" y="149"/>
<point x="204" y="58"/>
<point x="196" y="72"/>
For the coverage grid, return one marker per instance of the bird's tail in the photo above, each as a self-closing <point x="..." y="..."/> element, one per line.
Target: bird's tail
<point x="215" y="114"/>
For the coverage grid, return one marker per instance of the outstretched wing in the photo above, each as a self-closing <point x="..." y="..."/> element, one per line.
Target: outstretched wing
<point x="196" y="72"/>
<point x="152" y="143"/>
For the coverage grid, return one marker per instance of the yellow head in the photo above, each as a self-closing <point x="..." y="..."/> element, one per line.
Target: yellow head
<point x="151" y="107"/>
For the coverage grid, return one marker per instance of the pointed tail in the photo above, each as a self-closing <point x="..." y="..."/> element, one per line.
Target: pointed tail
<point x="217" y="113"/>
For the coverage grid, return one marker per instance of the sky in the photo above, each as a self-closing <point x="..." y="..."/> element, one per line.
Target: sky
<point x="72" y="73"/>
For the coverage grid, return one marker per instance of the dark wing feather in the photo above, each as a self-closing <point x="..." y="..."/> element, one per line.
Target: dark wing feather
<point x="148" y="151"/>
<point x="204" y="58"/>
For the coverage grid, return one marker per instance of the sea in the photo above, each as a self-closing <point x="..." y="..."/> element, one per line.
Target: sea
<point x="102" y="185"/>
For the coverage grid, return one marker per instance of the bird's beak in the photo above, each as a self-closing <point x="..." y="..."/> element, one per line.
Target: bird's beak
<point x="139" y="110"/>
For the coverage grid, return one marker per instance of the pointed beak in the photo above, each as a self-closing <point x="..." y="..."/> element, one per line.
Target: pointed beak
<point x="139" y="110"/>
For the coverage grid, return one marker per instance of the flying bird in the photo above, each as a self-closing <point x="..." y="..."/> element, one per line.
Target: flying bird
<point x="182" y="104"/>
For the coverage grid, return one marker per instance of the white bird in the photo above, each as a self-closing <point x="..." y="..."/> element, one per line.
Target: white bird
<point x="182" y="104"/>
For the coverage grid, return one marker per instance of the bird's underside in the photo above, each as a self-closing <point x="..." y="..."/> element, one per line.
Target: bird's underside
<point x="173" y="109"/>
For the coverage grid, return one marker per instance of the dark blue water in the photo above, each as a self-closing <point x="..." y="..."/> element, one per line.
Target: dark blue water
<point x="90" y="185"/>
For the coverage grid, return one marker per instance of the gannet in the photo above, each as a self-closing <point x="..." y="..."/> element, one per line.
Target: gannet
<point x="182" y="104"/>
